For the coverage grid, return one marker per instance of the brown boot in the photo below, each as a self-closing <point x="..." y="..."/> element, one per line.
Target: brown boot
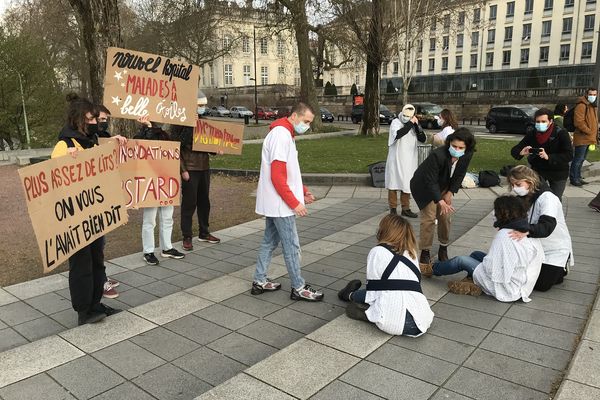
<point x="465" y="286"/>
<point x="425" y="264"/>
<point x="443" y="253"/>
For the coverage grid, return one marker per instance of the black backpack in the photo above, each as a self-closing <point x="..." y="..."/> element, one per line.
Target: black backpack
<point x="488" y="179"/>
<point x="569" y="120"/>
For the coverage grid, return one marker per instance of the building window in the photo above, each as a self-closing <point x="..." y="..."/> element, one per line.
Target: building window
<point x="281" y="70"/>
<point x="280" y="47"/>
<point x="510" y="9"/>
<point x="246" y="44"/>
<point x="565" y="51"/>
<point x="546" y="28"/>
<point x="395" y="68"/>
<point x="228" y="74"/>
<point x="590" y="2"/>
<point x="446" y="22"/>
<point x="264" y="75"/>
<point x="384" y="69"/>
<point x="476" y="15"/>
<point x="458" y="62"/>
<point x="567" y="25"/>
<point x="246" y="70"/>
<point x="432" y="44"/>
<point x="431" y="64"/>
<point x="474" y="39"/>
<point x="589" y="22"/>
<point x="226" y="42"/>
<point x="461" y="18"/>
<point x="264" y="46"/>
<point x="420" y="46"/>
<point x="445" y="43"/>
<point x="524" y="56"/>
<point x="586" y="50"/>
<point x="444" y="63"/>
<point x="526" y="31"/>
<point x="508" y="33"/>
<point x="506" y="57"/>
<point x="528" y="6"/>
<point x="493" y="12"/>
<point x="212" y="75"/>
<point x="473" y="61"/>
<point x="419" y="65"/>
<point x="544" y="53"/>
<point x="548" y="4"/>
<point x="491" y="36"/>
<point x="569" y="3"/>
<point x="489" y="59"/>
<point x="460" y="40"/>
<point x="433" y="26"/>
<point x="297" y="79"/>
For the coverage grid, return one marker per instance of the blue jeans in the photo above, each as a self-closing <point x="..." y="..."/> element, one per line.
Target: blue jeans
<point x="280" y="229"/>
<point x="579" y="155"/>
<point x="410" y="326"/>
<point x="457" y="264"/>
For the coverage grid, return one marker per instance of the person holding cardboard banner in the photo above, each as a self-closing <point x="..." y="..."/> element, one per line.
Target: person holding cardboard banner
<point x="86" y="267"/>
<point x="151" y="132"/>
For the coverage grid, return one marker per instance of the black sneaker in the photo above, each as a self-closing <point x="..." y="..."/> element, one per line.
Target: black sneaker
<point x="172" y="253"/>
<point x="103" y="308"/>
<point x="306" y="293"/>
<point x="150" y="259"/>
<point x="408" y="213"/>
<point x="209" y="239"/>
<point x="576" y="183"/>
<point x="267" y="286"/>
<point x="357" y="311"/>
<point x="352" y="286"/>
<point x="90" y="317"/>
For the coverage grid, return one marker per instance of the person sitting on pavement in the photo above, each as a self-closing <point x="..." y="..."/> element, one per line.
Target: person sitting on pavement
<point x="393" y="299"/>
<point x="402" y="158"/>
<point x="546" y="222"/>
<point x="510" y="269"/>
<point x="447" y="121"/>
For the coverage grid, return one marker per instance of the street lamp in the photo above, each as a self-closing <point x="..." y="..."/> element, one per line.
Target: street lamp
<point x="24" y="111"/>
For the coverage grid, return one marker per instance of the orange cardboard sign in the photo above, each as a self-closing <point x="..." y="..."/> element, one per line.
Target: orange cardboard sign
<point x="215" y="136"/>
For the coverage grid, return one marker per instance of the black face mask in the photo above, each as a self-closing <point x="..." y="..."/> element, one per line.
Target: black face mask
<point x="92" y="129"/>
<point x="103" y="126"/>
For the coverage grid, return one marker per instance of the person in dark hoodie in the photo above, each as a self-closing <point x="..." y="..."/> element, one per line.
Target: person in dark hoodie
<point x="433" y="186"/>
<point x="548" y="150"/>
<point x="546" y="222"/>
<point x="86" y="267"/>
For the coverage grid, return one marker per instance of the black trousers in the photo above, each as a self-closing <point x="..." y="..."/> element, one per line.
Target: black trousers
<point x="195" y="199"/>
<point x="557" y="187"/>
<point x="87" y="276"/>
<point x="550" y="275"/>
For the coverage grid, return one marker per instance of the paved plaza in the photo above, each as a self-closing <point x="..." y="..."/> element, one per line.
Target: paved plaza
<point x="191" y="329"/>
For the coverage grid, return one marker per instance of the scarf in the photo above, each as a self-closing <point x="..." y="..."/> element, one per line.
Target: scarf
<point x="521" y="225"/>
<point x="542" y="137"/>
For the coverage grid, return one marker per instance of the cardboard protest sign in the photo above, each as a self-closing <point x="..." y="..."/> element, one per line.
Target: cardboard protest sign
<point x="213" y="136"/>
<point x="137" y="84"/>
<point x="73" y="201"/>
<point x="150" y="172"/>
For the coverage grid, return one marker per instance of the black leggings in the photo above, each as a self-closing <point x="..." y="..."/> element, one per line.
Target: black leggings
<point x="87" y="276"/>
<point x="550" y="275"/>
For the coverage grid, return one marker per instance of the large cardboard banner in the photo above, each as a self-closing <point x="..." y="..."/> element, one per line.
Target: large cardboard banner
<point x="137" y="84"/>
<point x="150" y="172"/>
<point x="73" y="201"/>
<point x="214" y="136"/>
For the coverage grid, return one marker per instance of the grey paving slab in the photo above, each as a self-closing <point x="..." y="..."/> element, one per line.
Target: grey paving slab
<point x="296" y="320"/>
<point x="9" y="338"/>
<point x="339" y="390"/>
<point x="269" y="333"/>
<point x="171" y="383"/>
<point x="160" y="288"/>
<point x="37" y="387"/>
<point x="251" y="305"/>
<point x="171" y="307"/>
<point x="125" y="390"/>
<point x="179" y="266"/>
<point x="435" y="346"/>
<point x="568" y="296"/>
<point x="6" y="298"/>
<point x="85" y="377"/>
<point x="67" y="318"/>
<point x="585" y="367"/>
<point x="225" y="316"/>
<point x="184" y="281"/>
<point x="197" y="329"/>
<point x="209" y="365"/>
<point x="593" y="328"/>
<point x="136" y="297"/>
<point x="49" y="303"/>
<point x="134" y="278"/>
<point x="156" y="272"/>
<point x="128" y="359"/>
<point x="220" y="289"/>
<point x="485" y="387"/>
<point x="204" y="273"/>
<point x="165" y="344"/>
<point x="39" y="328"/>
<point x="280" y="370"/>
<point x="480" y="303"/>
<point x="37" y="287"/>
<point x="387" y="383"/>
<point x="466" y="317"/>
<point x="326" y="270"/>
<point x="455" y="331"/>
<point x="243" y="386"/>
<point x="411" y="363"/>
<point x="575" y="390"/>
<point x="242" y="348"/>
<point x="321" y="310"/>
<point x="3" y="325"/>
<point x="545" y="318"/>
<point x="535" y="333"/>
<point x="130" y="261"/>
<point x="558" y="307"/>
<point x="445" y="394"/>
<point x="17" y="313"/>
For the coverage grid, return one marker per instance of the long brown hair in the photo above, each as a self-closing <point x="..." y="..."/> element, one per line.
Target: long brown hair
<point x="449" y="119"/>
<point x="396" y="232"/>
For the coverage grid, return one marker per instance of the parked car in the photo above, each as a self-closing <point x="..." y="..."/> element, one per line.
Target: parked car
<point x="513" y="119"/>
<point x="427" y="114"/>
<point x="219" y="111"/>
<point x="284" y="111"/>
<point x="266" y="113"/>
<point x="326" y="115"/>
<point x="240" y="112"/>
<point x="385" y="115"/>
<point x="206" y="112"/>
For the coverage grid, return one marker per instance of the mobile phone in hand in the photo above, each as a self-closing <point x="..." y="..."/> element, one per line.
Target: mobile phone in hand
<point x="535" y="150"/>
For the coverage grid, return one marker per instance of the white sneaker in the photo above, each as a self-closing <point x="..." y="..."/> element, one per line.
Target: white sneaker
<point x="306" y="293"/>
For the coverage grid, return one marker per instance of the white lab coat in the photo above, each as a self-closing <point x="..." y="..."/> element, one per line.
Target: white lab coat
<point x="402" y="160"/>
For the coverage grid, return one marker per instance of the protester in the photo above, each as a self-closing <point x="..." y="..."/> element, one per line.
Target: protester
<point x="393" y="298"/>
<point x="559" y="114"/>
<point x="152" y="131"/>
<point x="433" y="186"/>
<point x="195" y="184"/>
<point x="585" y="119"/>
<point x="86" y="266"/>
<point x="546" y="222"/>
<point x="447" y="121"/>
<point x="402" y="159"/>
<point x="281" y="198"/>
<point x="548" y="150"/>
<point x="510" y="269"/>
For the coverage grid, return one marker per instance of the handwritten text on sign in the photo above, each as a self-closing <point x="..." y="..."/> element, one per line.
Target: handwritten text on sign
<point x="139" y="84"/>
<point x="214" y="136"/>
<point x="73" y="201"/>
<point x="150" y="172"/>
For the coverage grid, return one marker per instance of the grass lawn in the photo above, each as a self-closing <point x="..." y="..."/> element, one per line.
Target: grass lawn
<point x="352" y="154"/>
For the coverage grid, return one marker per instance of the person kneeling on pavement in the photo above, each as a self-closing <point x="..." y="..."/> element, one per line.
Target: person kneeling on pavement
<point x="510" y="269"/>
<point x="393" y="299"/>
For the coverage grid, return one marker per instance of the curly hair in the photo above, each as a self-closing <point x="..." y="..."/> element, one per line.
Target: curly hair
<point x="509" y="208"/>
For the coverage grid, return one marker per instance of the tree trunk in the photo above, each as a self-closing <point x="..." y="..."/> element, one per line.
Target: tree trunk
<point x="405" y="85"/>
<point x="370" y="121"/>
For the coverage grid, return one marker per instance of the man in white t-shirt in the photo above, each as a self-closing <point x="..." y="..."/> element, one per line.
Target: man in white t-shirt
<point x="281" y="197"/>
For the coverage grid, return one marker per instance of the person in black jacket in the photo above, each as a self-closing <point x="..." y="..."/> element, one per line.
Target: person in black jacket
<point x="548" y="150"/>
<point x="434" y="184"/>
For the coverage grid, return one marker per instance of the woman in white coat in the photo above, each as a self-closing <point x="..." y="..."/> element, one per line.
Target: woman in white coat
<point x="402" y="159"/>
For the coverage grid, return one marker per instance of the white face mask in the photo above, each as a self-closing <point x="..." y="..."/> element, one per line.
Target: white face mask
<point x="301" y="128"/>
<point x="520" y="191"/>
<point x="404" y="119"/>
<point x="201" y="110"/>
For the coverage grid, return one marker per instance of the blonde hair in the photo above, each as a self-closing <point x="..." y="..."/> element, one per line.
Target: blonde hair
<point x="524" y="173"/>
<point x="396" y="232"/>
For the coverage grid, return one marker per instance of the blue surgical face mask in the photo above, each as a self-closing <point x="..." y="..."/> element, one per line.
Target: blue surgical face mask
<point x="456" y="153"/>
<point x="591" y="99"/>
<point x="404" y="119"/>
<point x="301" y="128"/>
<point x="541" y="126"/>
<point x="201" y="110"/>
